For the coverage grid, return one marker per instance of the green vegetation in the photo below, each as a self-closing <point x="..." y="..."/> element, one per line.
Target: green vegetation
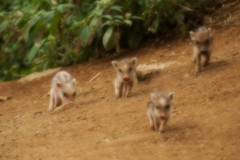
<point x="40" y="34"/>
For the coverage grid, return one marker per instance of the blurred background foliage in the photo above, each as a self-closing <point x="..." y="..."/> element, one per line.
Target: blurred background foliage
<point x="40" y="34"/>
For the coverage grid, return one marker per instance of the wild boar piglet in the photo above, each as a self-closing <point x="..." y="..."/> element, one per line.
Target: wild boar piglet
<point x="125" y="76"/>
<point x="63" y="90"/>
<point x="159" y="109"/>
<point x="202" y="41"/>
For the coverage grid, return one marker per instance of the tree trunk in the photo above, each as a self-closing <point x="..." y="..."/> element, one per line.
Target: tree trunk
<point x="117" y="38"/>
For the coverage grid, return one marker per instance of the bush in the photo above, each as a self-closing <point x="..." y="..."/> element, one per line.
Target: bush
<point x="36" y="35"/>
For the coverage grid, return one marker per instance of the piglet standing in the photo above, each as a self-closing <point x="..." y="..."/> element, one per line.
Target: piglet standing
<point x="159" y="110"/>
<point x="125" y="76"/>
<point x="202" y="41"/>
<point x="63" y="90"/>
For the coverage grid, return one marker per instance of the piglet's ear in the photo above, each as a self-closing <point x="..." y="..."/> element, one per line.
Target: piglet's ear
<point x="210" y="32"/>
<point x="153" y="97"/>
<point x="171" y="96"/>
<point x="74" y="81"/>
<point x="59" y="85"/>
<point x="134" y="61"/>
<point x="192" y="35"/>
<point x="115" y="64"/>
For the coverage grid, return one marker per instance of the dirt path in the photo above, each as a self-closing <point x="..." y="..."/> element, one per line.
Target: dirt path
<point x="205" y="124"/>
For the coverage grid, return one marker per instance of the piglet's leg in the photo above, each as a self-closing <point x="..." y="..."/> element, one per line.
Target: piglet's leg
<point x="128" y="89"/>
<point x="156" y="123"/>
<point x="151" y="122"/>
<point x="195" y="53"/>
<point x="198" y="66"/>
<point x="118" y="89"/>
<point x="52" y="102"/>
<point x="194" y="59"/>
<point x="206" y="61"/>
<point x="162" y="126"/>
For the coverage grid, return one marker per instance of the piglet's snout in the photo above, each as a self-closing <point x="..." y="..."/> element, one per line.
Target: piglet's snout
<point x="70" y="99"/>
<point x="163" y="116"/>
<point x="126" y="78"/>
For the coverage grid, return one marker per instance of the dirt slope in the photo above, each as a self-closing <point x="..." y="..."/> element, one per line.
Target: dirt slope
<point x="205" y="124"/>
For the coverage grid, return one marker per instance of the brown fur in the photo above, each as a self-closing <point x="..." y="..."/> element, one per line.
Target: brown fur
<point x="125" y="75"/>
<point x="63" y="90"/>
<point x="202" y="46"/>
<point x="159" y="110"/>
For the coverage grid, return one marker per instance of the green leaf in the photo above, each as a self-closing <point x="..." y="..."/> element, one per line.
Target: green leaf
<point x="34" y="50"/>
<point x="31" y="23"/>
<point x="128" y="15"/>
<point x="108" y="39"/>
<point x="128" y="22"/>
<point x="186" y="8"/>
<point x="48" y="16"/>
<point x="3" y="25"/>
<point x="107" y="23"/>
<point x="94" y="21"/>
<point x="136" y="18"/>
<point x="62" y="7"/>
<point x="54" y="24"/>
<point x="98" y="12"/>
<point x="118" y="22"/>
<point x="118" y="17"/>
<point x="108" y="17"/>
<point x="116" y="8"/>
<point x="85" y="34"/>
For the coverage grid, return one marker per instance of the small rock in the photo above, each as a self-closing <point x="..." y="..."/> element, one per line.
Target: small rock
<point x="186" y="75"/>
<point x="37" y="113"/>
<point x="106" y="140"/>
<point x="17" y="116"/>
<point x="235" y="53"/>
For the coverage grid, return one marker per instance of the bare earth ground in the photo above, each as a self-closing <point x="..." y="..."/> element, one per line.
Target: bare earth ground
<point x="205" y="124"/>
